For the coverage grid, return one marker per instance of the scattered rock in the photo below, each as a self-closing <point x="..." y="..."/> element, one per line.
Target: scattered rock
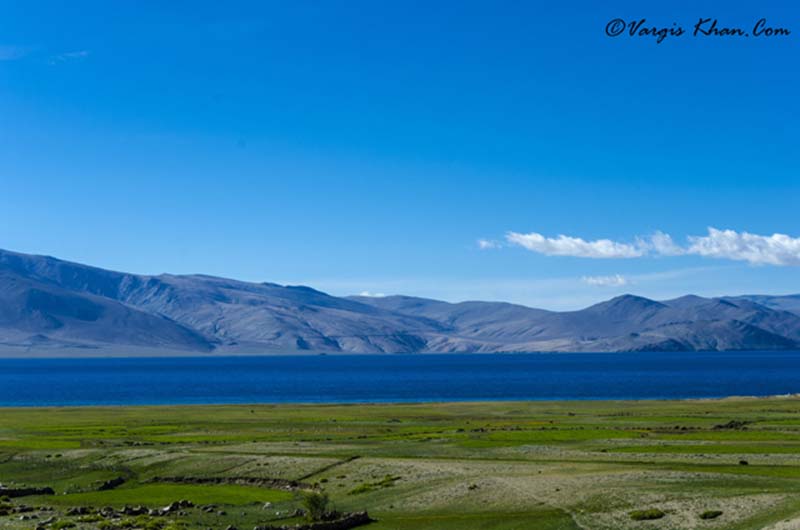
<point x="172" y="508"/>
<point x="135" y="510"/>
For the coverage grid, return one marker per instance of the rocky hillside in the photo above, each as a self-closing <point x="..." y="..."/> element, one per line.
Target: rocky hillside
<point x="53" y="307"/>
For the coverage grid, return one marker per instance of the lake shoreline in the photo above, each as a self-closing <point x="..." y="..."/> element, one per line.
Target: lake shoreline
<point x="77" y="354"/>
<point x="389" y="404"/>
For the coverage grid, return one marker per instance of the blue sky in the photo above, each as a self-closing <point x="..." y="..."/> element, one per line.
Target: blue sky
<point x="370" y="146"/>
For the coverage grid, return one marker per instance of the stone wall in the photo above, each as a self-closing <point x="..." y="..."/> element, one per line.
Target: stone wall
<point x="23" y="492"/>
<point x="274" y="483"/>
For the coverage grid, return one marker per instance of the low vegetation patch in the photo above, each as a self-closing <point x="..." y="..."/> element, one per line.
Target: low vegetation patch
<point x="386" y="482"/>
<point x="316" y="505"/>
<point x="646" y="515"/>
<point x="710" y="514"/>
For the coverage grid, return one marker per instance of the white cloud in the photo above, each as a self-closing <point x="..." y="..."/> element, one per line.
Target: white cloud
<point x="574" y="246"/>
<point x="69" y="56"/>
<point x="14" y="53"/>
<point x="371" y="295"/>
<point x="616" y="280"/>
<point x="777" y="249"/>
<point x="661" y="244"/>
<point x="486" y="244"/>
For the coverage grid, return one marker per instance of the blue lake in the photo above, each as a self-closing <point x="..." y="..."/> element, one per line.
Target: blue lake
<point x="395" y="378"/>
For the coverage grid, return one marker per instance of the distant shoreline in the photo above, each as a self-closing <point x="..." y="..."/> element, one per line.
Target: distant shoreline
<point x="152" y="353"/>
<point x="388" y="404"/>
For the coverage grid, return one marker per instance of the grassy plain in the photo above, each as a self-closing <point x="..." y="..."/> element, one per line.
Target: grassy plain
<point x="498" y="465"/>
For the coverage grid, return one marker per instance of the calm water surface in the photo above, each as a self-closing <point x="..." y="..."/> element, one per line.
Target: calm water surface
<point x="388" y="378"/>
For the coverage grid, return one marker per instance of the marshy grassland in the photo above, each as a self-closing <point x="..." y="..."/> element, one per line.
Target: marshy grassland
<point x="732" y="464"/>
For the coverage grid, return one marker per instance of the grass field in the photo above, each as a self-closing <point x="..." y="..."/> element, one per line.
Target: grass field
<point x="535" y="465"/>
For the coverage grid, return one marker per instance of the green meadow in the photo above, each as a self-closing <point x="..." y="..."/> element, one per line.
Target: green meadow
<point x="716" y="464"/>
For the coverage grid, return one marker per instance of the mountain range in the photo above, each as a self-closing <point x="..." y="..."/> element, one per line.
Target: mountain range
<point x="51" y="307"/>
